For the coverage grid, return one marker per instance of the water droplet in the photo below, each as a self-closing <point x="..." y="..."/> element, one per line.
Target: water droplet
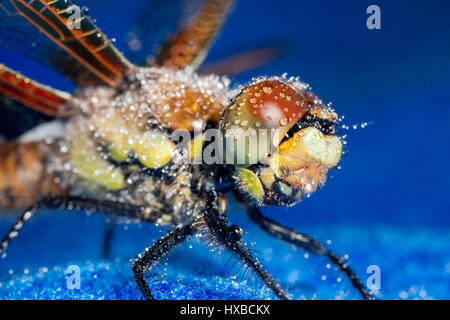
<point x="267" y="90"/>
<point x="283" y="121"/>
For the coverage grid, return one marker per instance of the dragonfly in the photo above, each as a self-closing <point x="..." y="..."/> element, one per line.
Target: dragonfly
<point x="110" y="145"/>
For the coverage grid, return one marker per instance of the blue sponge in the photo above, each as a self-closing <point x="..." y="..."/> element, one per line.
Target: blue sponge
<point x="413" y="263"/>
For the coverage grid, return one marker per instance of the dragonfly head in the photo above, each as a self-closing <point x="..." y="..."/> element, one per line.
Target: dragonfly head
<point x="281" y="140"/>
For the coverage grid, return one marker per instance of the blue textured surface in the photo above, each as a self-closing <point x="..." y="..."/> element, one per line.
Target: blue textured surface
<point x="414" y="262"/>
<point x="388" y="205"/>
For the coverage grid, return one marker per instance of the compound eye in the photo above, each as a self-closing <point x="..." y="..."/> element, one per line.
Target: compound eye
<point x="258" y="118"/>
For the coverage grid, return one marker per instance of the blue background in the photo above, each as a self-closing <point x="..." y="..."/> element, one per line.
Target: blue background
<point x="387" y="206"/>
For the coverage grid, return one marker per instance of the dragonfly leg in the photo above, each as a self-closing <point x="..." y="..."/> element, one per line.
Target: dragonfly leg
<point x="17" y="226"/>
<point x="111" y="208"/>
<point x="108" y="237"/>
<point x="159" y="249"/>
<point x="230" y="237"/>
<point x="308" y="243"/>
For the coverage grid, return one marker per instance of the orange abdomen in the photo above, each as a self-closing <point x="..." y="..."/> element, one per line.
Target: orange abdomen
<point x="23" y="174"/>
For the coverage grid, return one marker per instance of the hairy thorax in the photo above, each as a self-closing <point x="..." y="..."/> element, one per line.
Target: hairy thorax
<point x="117" y="145"/>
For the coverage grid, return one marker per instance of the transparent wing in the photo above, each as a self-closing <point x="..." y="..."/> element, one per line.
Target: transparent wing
<point x="243" y="61"/>
<point x="155" y="22"/>
<point x="177" y="32"/>
<point x="60" y="35"/>
<point x="198" y="30"/>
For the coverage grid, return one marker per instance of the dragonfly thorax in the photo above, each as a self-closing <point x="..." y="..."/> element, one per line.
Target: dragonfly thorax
<point x="118" y="145"/>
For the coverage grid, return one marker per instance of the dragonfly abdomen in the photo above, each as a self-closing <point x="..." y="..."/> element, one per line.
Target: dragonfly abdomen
<point x="23" y="174"/>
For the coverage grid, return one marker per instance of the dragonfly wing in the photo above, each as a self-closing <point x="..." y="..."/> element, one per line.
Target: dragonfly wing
<point x="33" y="94"/>
<point x="25" y="103"/>
<point x="154" y="23"/>
<point x="242" y="62"/>
<point x="197" y="31"/>
<point x="62" y="36"/>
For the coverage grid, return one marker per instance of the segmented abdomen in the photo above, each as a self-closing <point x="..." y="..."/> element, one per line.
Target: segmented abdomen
<point x="23" y="175"/>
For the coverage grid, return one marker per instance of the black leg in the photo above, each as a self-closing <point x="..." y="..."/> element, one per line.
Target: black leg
<point x="111" y="208"/>
<point x="17" y="226"/>
<point x="108" y="237"/>
<point x="230" y="238"/>
<point x="306" y="242"/>
<point x="70" y="203"/>
<point x="151" y="256"/>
